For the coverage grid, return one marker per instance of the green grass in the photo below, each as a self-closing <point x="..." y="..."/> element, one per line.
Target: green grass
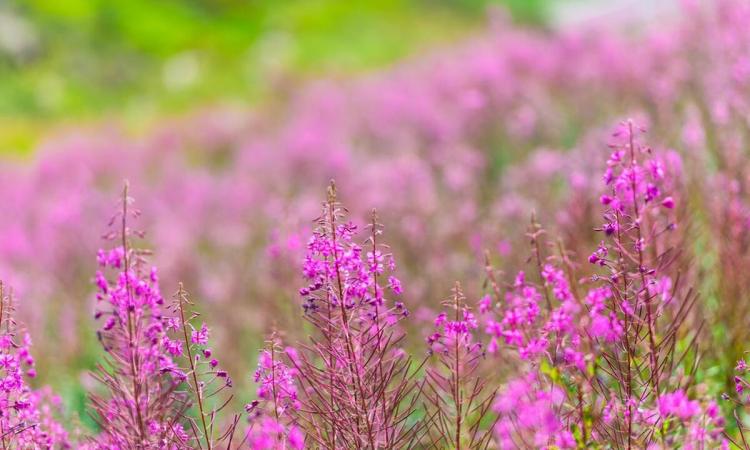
<point x="140" y="59"/>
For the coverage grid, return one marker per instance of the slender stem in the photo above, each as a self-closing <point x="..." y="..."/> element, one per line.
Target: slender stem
<point x="457" y="376"/>
<point x="134" y="366"/>
<point x="580" y="411"/>
<point x="273" y="382"/>
<point x="538" y="253"/>
<point x="380" y="378"/>
<point x="273" y="388"/>
<point x="345" y="322"/>
<point x="628" y="383"/>
<point x="2" y="318"/>
<point x="644" y="288"/>
<point x="198" y="390"/>
<point x="332" y="365"/>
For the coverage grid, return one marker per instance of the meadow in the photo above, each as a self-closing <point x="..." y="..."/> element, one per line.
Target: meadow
<point x="527" y="237"/>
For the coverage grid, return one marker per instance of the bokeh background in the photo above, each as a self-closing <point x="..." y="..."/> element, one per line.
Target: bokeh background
<point x="74" y="61"/>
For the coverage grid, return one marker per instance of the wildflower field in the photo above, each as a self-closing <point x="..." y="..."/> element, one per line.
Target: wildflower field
<point x="507" y="232"/>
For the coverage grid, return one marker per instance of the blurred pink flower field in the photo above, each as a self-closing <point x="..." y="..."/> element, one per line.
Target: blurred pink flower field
<point x="531" y="239"/>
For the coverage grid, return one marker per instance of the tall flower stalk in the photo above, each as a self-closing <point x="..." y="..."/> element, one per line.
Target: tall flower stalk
<point x="455" y="391"/>
<point x="358" y="384"/>
<point x="209" y="387"/>
<point x="640" y="284"/>
<point x="141" y="406"/>
<point x="613" y="365"/>
<point x="272" y="415"/>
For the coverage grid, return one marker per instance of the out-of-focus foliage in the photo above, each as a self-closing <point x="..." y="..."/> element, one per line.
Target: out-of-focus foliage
<point x="66" y="60"/>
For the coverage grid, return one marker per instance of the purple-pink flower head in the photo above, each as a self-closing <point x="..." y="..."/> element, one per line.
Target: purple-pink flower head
<point x="677" y="404"/>
<point x="635" y="177"/>
<point x="276" y="381"/>
<point x="200" y="337"/>
<point x="342" y="271"/>
<point x="270" y="434"/>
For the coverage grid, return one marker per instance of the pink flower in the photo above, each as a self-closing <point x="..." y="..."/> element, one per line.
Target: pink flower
<point x="296" y="438"/>
<point x="200" y="337"/>
<point x="677" y="404"/>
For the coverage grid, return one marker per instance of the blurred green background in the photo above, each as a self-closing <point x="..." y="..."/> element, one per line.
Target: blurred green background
<point x="64" y="62"/>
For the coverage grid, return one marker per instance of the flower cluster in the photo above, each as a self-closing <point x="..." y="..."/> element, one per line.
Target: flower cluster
<point x="605" y="354"/>
<point x="276" y="381"/>
<point x="456" y="330"/>
<point x="26" y="415"/>
<point x="694" y="424"/>
<point x="353" y="375"/>
<point x="454" y="388"/>
<point x="209" y="385"/>
<point x="529" y="416"/>
<point x="358" y="272"/>
<point x="271" y="435"/>
<point x="426" y="138"/>
<point x="142" y="406"/>
<point x="539" y="321"/>
<point x="597" y="360"/>
<point x="272" y="423"/>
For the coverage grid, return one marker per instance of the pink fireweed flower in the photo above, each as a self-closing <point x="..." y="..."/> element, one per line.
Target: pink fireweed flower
<point x="485" y="304"/>
<point x="394" y="284"/>
<point x="458" y="354"/>
<point x="200" y="336"/>
<point x="355" y="355"/>
<point x="460" y="329"/>
<point x="276" y="381"/>
<point x="208" y="386"/>
<point x="528" y="413"/>
<point x="677" y="404"/>
<point x="141" y="376"/>
<point x="26" y="415"/>
<point x="600" y="255"/>
<point x="559" y="333"/>
<point x="272" y="415"/>
<point x="339" y="257"/>
<point x="269" y="434"/>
